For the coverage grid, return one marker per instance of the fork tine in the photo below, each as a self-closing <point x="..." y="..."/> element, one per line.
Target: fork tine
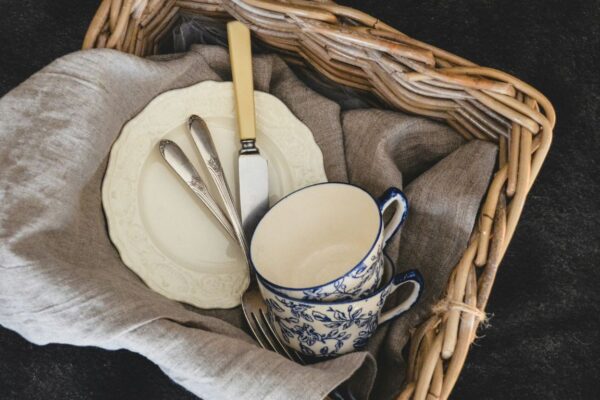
<point x="247" y="308"/>
<point x="300" y="358"/>
<point x="266" y="326"/>
<point x="256" y="331"/>
<point x="265" y="332"/>
<point x="252" y="303"/>
<point x="253" y="306"/>
<point x="291" y="354"/>
<point x="255" y="310"/>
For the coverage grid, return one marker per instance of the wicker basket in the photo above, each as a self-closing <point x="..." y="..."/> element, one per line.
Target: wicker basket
<point x="359" y="51"/>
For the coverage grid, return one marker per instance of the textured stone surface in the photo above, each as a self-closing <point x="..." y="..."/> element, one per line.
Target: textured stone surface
<point x="544" y="339"/>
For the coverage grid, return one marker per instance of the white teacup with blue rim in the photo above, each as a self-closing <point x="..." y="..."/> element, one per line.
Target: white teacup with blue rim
<point x="324" y="329"/>
<point x="325" y="242"/>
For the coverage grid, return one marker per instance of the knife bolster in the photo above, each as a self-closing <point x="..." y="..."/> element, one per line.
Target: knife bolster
<point x="249" y="147"/>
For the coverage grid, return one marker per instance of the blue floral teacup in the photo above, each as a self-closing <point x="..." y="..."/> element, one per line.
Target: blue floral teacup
<point x="326" y="329"/>
<point x="325" y="242"/>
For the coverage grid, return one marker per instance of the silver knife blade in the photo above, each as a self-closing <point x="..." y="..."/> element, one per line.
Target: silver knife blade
<point x="254" y="187"/>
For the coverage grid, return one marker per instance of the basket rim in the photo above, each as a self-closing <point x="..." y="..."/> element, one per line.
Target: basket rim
<point x="354" y="49"/>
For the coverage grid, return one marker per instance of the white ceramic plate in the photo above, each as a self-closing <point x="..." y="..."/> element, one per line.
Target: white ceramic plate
<point x="162" y="231"/>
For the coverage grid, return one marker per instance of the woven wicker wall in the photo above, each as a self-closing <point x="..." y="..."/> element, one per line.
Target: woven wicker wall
<point x="359" y="51"/>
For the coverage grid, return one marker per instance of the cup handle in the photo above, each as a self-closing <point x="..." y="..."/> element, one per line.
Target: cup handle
<point x="412" y="276"/>
<point x="389" y="197"/>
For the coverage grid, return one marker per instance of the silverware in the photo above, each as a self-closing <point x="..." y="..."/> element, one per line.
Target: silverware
<point x="253" y="172"/>
<point x="204" y="143"/>
<point x="253" y="305"/>
<point x="255" y="310"/>
<point x="178" y="161"/>
<point x="253" y="178"/>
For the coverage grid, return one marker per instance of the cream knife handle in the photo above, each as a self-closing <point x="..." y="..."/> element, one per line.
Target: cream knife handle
<point x="240" y="53"/>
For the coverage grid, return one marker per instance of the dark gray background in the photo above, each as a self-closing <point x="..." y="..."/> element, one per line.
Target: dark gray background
<point x="543" y="341"/>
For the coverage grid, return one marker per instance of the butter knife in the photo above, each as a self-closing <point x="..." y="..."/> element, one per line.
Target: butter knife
<point x="253" y="171"/>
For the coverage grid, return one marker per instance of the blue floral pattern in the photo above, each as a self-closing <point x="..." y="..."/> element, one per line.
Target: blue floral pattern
<point x="368" y="276"/>
<point x="351" y="326"/>
<point x="321" y="329"/>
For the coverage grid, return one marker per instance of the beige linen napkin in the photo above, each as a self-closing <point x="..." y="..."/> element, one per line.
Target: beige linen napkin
<point x="61" y="280"/>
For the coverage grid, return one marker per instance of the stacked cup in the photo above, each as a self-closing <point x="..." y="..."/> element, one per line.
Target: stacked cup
<point x="319" y="261"/>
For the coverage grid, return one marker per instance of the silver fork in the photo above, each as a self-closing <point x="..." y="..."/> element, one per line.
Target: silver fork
<point x="255" y="310"/>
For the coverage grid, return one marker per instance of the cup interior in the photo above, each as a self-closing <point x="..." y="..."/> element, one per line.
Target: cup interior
<point x="315" y="235"/>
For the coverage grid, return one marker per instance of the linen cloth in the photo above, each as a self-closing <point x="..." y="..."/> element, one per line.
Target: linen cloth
<point x="61" y="280"/>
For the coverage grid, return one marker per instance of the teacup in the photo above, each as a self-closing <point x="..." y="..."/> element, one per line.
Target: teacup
<point x="325" y="242"/>
<point x="325" y="329"/>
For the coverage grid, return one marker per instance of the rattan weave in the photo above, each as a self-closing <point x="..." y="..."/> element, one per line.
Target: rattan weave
<point x="359" y="51"/>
